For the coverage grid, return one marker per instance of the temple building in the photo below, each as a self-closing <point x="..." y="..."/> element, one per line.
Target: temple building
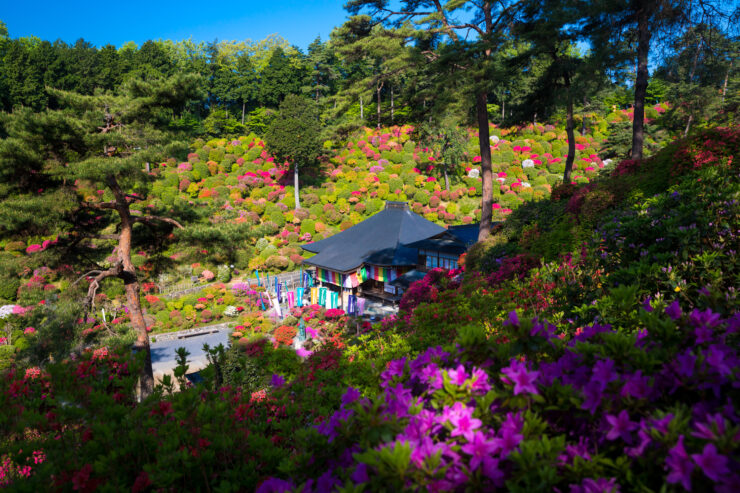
<point x="364" y="259"/>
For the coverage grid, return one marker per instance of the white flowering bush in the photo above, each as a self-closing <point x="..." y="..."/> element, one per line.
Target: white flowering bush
<point x="6" y="311"/>
<point x="527" y="163"/>
<point x="230" y="311"/>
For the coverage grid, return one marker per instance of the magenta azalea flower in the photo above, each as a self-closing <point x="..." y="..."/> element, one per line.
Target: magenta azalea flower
<point x="479" y="447"/>
<point x="523" y="380"/>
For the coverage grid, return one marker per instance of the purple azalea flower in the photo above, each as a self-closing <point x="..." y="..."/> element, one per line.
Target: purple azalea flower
<point x="479" y="447"/>
<point x="424" y="448"/>
<point x="395" y="369"/>
<point x="350" y="396"/>
<point x="644" y="441"/>
<point x="686" y="363"/>
<point x="491" y="471"/>
<point x="707" y="430"/>
<point x="636" y="386"/>
<point x="646" y="305"/>
<point x="513" y="319"/>
<point x="277" y="381"/>
<point x="674" y="310"/>
<point x="621" y="426"/>
<point x="523" y="380"/>
<point x="509" y="435"/>
<point x="662" y="424"/>
<point x="704" y="323"/>
<point x="575" y="450"/>
<point x="432" y="375"/>
<point x="679" y="465"/>
<point x="360" y="475"/>
<point x="423" y="424"/>
<point x="603" y="372"/>
<point x="398" y="400"/>
<point x="327" y="482"/>
<point x="275" y="485"/>
<point x="599" y="485"/>
<point x="593" y="393"/>
<point x="713" y="465"/>
<point x="715" y="357"/>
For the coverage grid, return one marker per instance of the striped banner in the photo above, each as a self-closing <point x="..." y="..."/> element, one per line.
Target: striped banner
<point x="384" y="274"/>
<point x="344" y="280"/>
<point x="330" y="276"/>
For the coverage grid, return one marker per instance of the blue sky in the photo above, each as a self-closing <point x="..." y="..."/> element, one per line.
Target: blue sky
<point x="102" y="22"/>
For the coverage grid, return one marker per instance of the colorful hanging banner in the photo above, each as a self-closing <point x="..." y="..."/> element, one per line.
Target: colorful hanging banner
<point x="351" y="280"/>
<point x="314" y="296"/>
<point x="334" y="300"/>
<point x="299" y="297"/>
<point x="384" y="274"/>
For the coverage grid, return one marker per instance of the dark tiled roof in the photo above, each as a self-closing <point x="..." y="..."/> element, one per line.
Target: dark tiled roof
<point x="378" y="240"/>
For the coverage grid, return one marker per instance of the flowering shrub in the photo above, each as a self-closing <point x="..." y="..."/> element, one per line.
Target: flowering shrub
<point x="284" y="335"/>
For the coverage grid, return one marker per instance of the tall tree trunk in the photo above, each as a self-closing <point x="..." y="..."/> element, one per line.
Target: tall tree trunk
<point x="583" y="117"/>
<point x="641" y="82"/>
<point x="447" y="179"/>
<point x="392" y="106"/>
<point x="503" y="110"/>
<point x="362" y="110"/>
<point x="571" y="134"/>
<point x="724" y="85"/>
<point x="691" y="81"/>
<point x="244" y="107"/>
<point x="486" y="215"/>
<point x="132" y="288"/>
<point x="379" y="87"/>
<point x="295" y="186"/>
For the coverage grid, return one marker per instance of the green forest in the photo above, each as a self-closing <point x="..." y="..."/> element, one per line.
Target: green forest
<point x="588" y="341"/>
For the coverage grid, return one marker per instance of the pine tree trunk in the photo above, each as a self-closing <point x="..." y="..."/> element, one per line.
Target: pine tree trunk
<point x="295" y="186"/>
<point x="362" y="110"/>
<point x="691" y="81"/>
<point x="132" y="288"/>
<point x="379" y="86"/>
<point x="641" y="82"/>
<point x="571" y="135"/>
<point x="244" y="107"/>
<point x="724" y="85"/>
<point x="392" y="106"/>
<point x="503" y="110"/>
<point x="486" y="215"/>
<point x="447" y="180"/>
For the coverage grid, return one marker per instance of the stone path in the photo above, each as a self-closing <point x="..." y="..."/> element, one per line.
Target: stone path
<point x="163" y="350"/>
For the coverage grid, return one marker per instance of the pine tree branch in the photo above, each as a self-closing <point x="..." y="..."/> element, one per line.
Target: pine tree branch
<point x="149" y="219"/>
<point x="100" y="205"/>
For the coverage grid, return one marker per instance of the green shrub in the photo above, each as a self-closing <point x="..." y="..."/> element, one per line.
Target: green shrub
<point x="223" y="273"/>
<point x="308" y="226"/>
<point x="9" y="288"/>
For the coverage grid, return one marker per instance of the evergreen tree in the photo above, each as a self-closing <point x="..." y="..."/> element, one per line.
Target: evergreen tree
<point x="473" y="32"/>
<point x="104" y="140"/>
<point x="294" y="135"/>
<point x="279" y="78"/>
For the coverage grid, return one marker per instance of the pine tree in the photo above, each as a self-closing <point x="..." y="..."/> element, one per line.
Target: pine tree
<point x="105" y="140"/>
<point x="294" y="135"/>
